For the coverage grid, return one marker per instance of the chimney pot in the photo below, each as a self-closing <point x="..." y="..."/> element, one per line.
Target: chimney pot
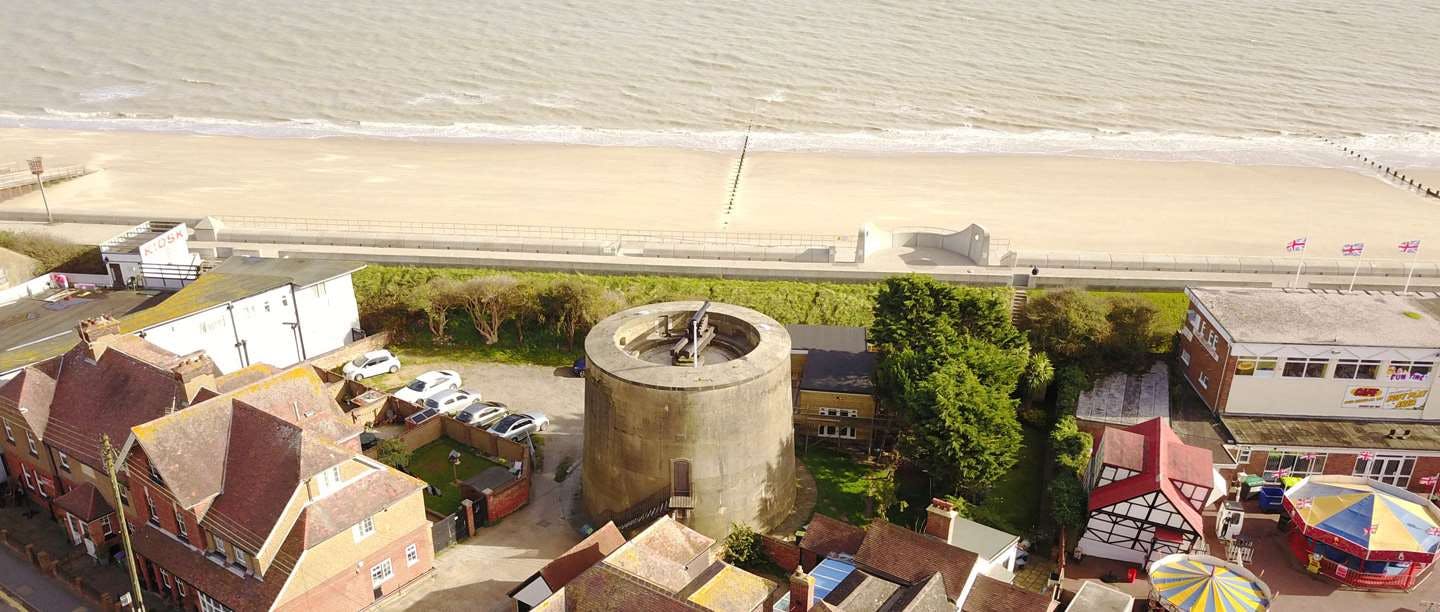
<point x="802" y="591"/>
<point x="940" y="519"/>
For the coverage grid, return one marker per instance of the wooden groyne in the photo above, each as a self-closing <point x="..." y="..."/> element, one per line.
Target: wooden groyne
<point x="16" y="181"/>
<point x="1394" y="174"/>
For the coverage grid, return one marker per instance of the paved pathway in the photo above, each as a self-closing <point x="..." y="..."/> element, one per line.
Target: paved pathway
<point x="23" y="587"/>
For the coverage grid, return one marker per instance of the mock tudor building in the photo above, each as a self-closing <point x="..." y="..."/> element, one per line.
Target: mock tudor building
<point x="1320" y="382"/>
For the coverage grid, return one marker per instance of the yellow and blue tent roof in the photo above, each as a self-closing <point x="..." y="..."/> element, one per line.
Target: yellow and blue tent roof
<point x="1370" y="515"/>
<point x="1201" y="583"/>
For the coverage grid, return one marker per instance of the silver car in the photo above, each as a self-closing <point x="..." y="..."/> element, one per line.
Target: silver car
<point x="482" y="414"/>
<point x="451" y="402"/>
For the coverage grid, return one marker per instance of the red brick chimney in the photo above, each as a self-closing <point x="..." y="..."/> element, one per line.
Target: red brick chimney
<point x="194" y="371"/>
<point x="93" y="333"/>
<point x="940" y="519"/>
<point x="802" y="591"/>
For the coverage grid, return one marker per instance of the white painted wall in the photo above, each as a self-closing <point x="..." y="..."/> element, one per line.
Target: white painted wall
<point x="1326" y="397"/>
<point x="211" y="331"/>
<point x="327" y="313"/>
<point x="265" y="323"/>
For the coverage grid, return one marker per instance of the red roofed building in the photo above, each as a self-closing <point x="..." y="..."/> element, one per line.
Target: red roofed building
<point x="1147" y="489"/>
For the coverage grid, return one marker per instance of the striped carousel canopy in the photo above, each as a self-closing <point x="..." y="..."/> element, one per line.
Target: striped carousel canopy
<point x="1368" y="519"/>
<point x="1201" y="583"/>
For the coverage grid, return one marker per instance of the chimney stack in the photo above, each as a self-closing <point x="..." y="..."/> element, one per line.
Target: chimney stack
<point x="194" y="371"/>
<point x="940" y="519"/>
<point x="802" y="591"/>
<point x="93" y="331"/>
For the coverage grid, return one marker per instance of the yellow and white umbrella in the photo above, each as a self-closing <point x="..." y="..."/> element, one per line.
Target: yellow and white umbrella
<point x="1201" y="583"/>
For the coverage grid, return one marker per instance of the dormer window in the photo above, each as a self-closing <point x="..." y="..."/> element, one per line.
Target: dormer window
<point x="9" y="433"/>
<point x="30" y="441"/>
<point x="329" y="480"/>
<point x="155" y="475"/>
<point x="242" y="561"/>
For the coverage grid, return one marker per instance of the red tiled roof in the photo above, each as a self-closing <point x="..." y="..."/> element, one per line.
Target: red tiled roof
<point x="1121" y="448"/>
<point x="240" y="593"/>
<point x="29" y="394"/>
<point x="826" y="536"/>
<point x="991" y="595"/>
<point x="580" y="557"/>
<point x="603" y="588"/>
<point x="84" y="502"/>
<point x="1166" y="459"/>
<point x="130" y="384"/>
<point x="340" y="510"/>
<point x="911" y="557"/>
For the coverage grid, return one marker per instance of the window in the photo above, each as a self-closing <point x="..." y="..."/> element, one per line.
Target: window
<point x="64" y="460"/>
<point x="9" y="433"/>
<point x="1415" y="371"/>
<point x="25" y="472"/>
<point x="30" y="440"/>
<point x="107" y="525"/>
<point x="1185" y="357"/>
<point x="154" y="514"/>
<point x="1301" y="367"/>
<point x="412" y="555"/>
<point x="180" y="588"/>
<point x="1204" y="380"/>
<point x="329" y="480"/>
<point x="1357" y="369"/>
<point x="1389" y="469"/>
<point x="381" y="573"/>
<point x="125" y="495"/>
<point x="210" y="605"/>
<point x="1242" y="455"/>
<point x="180" y="526"/>
<point x="241" y="562"/>
<point x="1259" y="367"/>
<point x="1294" y="464"/>
<point x="837" y="431"/>
<point x="840" y="412"/>
<point x="219" y="544"/>
<point x="155" y="475"/>
<point x="364" y="528"/>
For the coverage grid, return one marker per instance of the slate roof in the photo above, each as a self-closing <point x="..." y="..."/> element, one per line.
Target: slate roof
<point x="910" y="557"/>
<point x="827" y="338"/>
<point x="589" y="551"/>
<point x="1288" y="316"/>
<point x="1165" y="459"/>
<point x="928" y="596"/>
<point x="85" y="502"/>
<point x="826" y="536"/>
<point x="990" y="595"/>
<point x="861" y="592"/>
<point x="839" y="372"/>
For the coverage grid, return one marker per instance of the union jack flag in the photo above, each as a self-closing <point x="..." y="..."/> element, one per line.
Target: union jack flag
<point x="1303" y="503"/>
<point x="1296" y="245"/>
<point x="1374" y="527"/>
<point x="1410" y="246"/>
<point x="1429" y="480"/>
<point x="1354" y="249"/>
<point x="1282" y="472"/>
<point x="1367" y="455"/>
<point x="1308" y="456"/>
<point x="1434" y="531"/>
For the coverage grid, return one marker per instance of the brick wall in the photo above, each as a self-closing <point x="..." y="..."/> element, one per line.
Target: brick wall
<point x="784" y="554"/>
<point x="1216" y="370"/>
<point x="351" y="590"/>
<point x="507" y="500"/>
<point x="1343" y="464"/>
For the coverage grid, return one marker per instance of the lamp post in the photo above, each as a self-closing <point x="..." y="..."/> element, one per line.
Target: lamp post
<point x="37" y="168"/>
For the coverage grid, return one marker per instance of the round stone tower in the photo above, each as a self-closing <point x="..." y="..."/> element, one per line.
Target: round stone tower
<point x="688" y="405"/>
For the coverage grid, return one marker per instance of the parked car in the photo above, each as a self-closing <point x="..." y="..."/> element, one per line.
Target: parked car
<point x="368" y="440"/>
<point x="420" y="417"/>
<point x="483" y="414"/>
<point x="451" y="402"/>
<point x="373" y="363"/>
<point x="578" y="368"/>
<point x="428" y="385"/>
<point x="518" y="426"/>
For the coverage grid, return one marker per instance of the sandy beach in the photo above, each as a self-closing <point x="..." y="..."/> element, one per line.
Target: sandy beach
<point x="1038" y="203"/>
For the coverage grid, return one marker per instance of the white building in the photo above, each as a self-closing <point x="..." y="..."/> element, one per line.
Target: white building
<point x="152" y="255"/>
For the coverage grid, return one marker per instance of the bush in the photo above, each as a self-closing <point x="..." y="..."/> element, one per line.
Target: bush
<point x="1070" y="445"/>
<point x="1068" y="325"/>
<point x="562" y="469"/>
<point x="1070" y="382"/>
<point x="53" y="254"/>
<point x="742" y="547"/>
<point x="1035" y="416"/>
<point x="394" y="454"/>
<point x="1068" y="500"/>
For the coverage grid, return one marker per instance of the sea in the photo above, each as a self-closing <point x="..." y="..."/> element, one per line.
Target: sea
<point x="1244" y="81"/>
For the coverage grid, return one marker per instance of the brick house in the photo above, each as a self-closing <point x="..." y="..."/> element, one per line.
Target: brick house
<point x="1319" y="382"/>
<point x="55" y="412"/>
<point x="259" y="499"/>
<point x="833" y="371"/>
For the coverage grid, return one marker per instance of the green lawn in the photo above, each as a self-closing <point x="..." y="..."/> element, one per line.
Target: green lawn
<point x="1171" y="304"/>
<point x="1014" y="503"/>
<point x="431" y="463"/>
<point x="840" y="484"/>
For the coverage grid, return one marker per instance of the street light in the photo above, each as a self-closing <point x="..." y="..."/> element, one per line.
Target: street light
<point x="37" y="168"/>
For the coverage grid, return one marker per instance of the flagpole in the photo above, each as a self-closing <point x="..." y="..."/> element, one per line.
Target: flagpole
<point x="1409" y="270"/>
<point x="1300" y="266"/>
<point x="1358" y="258"/>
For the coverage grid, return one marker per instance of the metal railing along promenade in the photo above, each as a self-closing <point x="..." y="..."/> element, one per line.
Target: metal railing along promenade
<point x="534" y="232"/>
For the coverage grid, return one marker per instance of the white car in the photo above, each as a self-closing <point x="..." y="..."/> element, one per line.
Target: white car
<point x="373" y="363"/>
<point x="451" y="402"/>
<point x="482" y="414"/>
<point x="518" y="426"/>
<point x="427" y="385"/>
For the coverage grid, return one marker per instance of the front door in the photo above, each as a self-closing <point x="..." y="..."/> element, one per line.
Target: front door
<point x="77" y="528"/>
<point x="116" y="277"/>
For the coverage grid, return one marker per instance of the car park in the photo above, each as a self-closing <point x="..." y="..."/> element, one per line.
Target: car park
<point x="452" y="401"/>
<point x="428" y="385"/>
<point x="517" y="426"/>
<point x="483" y="414"/>
<point x="373" y="363"/>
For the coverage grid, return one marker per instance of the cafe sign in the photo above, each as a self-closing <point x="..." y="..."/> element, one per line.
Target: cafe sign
<point x="1393" y="398"/>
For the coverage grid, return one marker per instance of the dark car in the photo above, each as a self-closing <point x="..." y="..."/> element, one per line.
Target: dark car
<point x="368" y="440"/>
<point x="578" y="368"/>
